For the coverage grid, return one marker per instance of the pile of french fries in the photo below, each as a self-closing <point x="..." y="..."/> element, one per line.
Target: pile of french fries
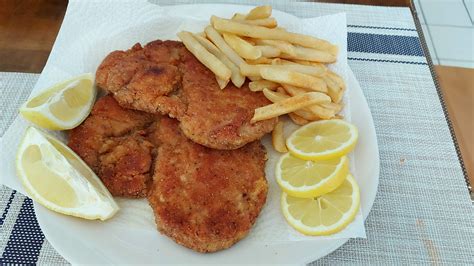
<point x="289" y="68"/>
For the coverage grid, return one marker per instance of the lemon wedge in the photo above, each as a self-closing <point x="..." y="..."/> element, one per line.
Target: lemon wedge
<point x="326" y="214"/>
<point x="58" y="179"/>
<point x="309" y="179"/>
<point x="323" y="140"/>
<point x="63" y="106"/>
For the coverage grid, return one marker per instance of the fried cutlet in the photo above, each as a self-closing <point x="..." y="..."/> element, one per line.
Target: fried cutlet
<point x="205" y="199"/>
<point x="144" y="78"/>
<point x="216" y="118"/>
<point x="112" y="141"/>
<point x="163" y="77"/>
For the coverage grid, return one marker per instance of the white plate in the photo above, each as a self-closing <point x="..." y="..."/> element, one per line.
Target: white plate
<point x="81" y="241"/>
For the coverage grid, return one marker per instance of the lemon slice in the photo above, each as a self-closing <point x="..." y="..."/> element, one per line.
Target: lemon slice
<point x="58" y="179"/>
<point x="323" y="140"/>
<point x="308" y="179"/>
<point x="63" y="106"/>
<point x="326" y="214"/>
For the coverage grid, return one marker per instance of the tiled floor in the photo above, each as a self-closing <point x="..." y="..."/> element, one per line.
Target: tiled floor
<point x="448" y="26"/>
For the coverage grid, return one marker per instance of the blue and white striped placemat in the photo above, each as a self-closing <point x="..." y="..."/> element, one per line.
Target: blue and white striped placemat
<point x="422" y="213"/>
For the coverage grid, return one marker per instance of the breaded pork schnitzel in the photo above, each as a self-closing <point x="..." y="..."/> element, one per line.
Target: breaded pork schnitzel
<point x="163" y="77"/>
<point x="112" y="141"/>
<point x="205" y="199"/>
<point x="144" y="79"/>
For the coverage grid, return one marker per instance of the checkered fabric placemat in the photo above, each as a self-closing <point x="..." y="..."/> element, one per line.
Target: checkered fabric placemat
<point x="422" y="213"/>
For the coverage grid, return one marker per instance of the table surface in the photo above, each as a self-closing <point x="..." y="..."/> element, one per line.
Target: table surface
<point x="404" y="226"/>
<point x="458" y="89"/>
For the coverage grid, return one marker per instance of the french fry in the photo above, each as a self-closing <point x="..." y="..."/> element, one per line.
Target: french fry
<point x="307" y="63"/>
<point x="278" y="139"/>
<point x="261" y="60"/>
<point x="249" y="40"/>
<point x="238" y="16"/>
<point x="317" y="109"/>
<point x="205" y="57"/>
<point x="283" y="46"/>
<point x="293" y="91"/>
<point x="254" y="78"/>
<point x="318" y="73"/>
<point x="242" y="47"/>
<point x="268" y="51"/>
<point x="254" y="46"/>
<point x="320" y="112"/>
<point x="310" y="70"/>
<point x="200" y="34"/>
<point x="282" y="91"/>
<point x="237" y="79"/>
<point x="222" y="82"/>
<point x="308" y="54"/>
<point x="259" y="32"/>
<point x="307" y="115"/>
<point x="335" y="107"/>
<point x="279" y="61"/>
<point x="259" y="12"/>
<point x="298" y="119"/>
<point x="275" y="96"/>
<point x="264" y="22"/>
<point x="250" y="70"/>
<point x="340" y="95"/>
<point x="336" y="78"/>
<point x="288" y="105"/>
<point x="334" y="50"/>
<point x="259" y="85"/>
<point x="297" y="79"/>
<point x="280" y="95"/>
<point x="336" y="86"/>
<point x="217" y="39"/>
<point x="333" y="89"/>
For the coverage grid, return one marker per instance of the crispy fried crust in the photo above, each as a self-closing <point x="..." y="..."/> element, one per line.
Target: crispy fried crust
<point x="112" y="142"/>
<point x="164" y="77"/>
<point x="206" y="199"/>
<point x="216" y="118"/>
<point x="125" y="165"/>
<point x="144" y="78"/>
